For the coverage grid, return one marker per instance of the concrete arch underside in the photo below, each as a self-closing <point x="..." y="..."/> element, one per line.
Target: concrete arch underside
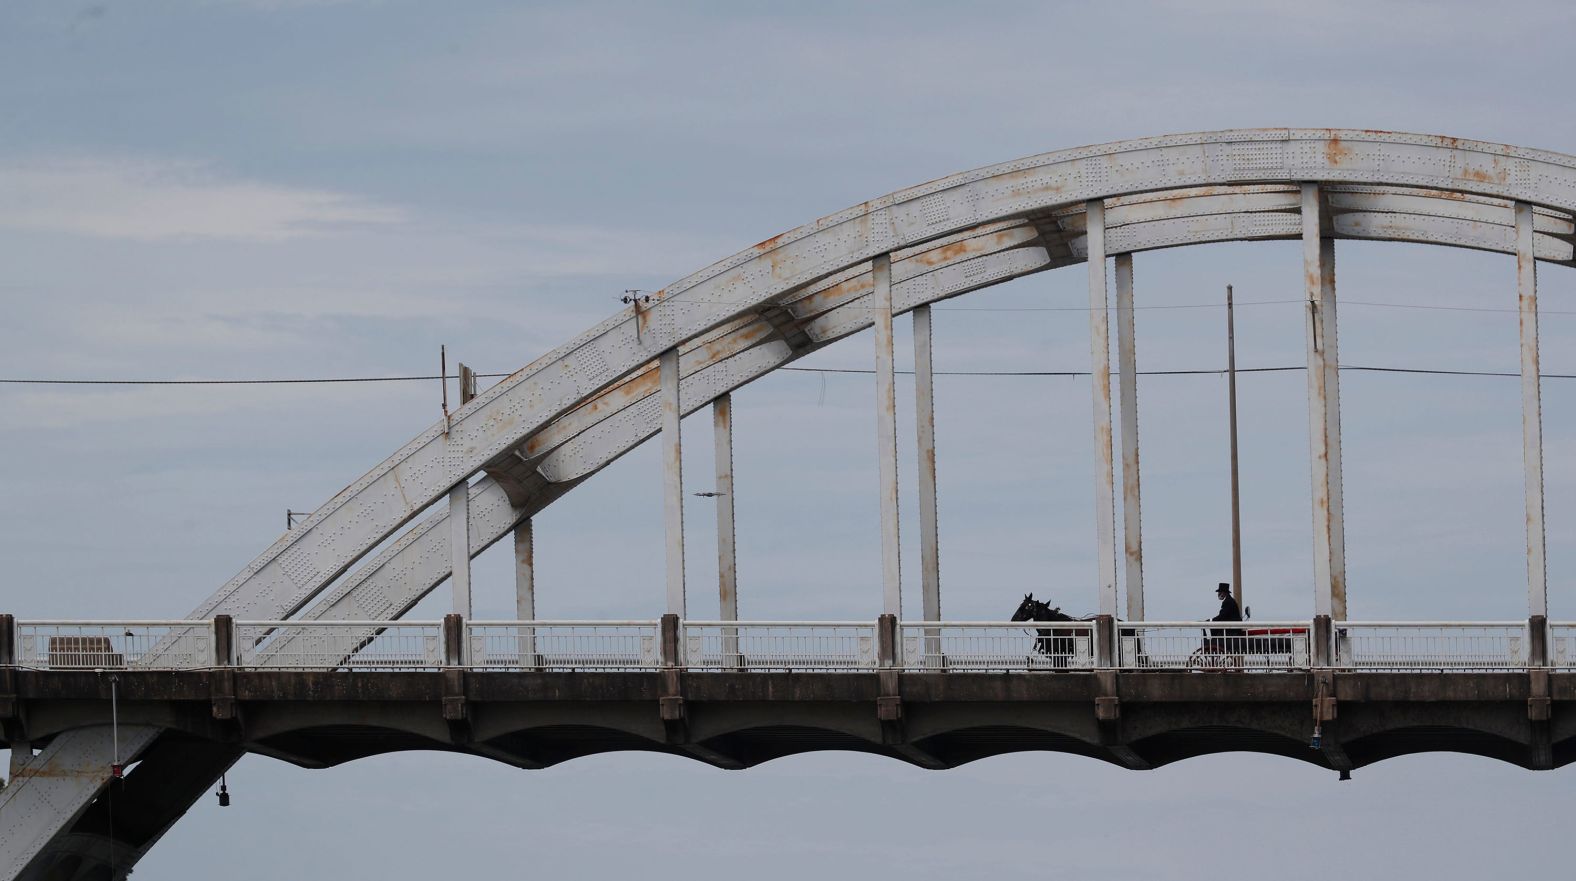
<point x="529" y="439"/>
<point x="936" y="736"/>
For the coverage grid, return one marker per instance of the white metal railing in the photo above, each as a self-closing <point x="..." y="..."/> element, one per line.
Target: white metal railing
<point x="1562" y="644"/>
<point x="1193" y="645"/>
<point x="339" y="645"/>
<point x="998" y="646"/>
<point x="780" y="645"/>
<point x="563" y="645"/>
<point x="114" y="645"/>
<point x="1430" y="645"/>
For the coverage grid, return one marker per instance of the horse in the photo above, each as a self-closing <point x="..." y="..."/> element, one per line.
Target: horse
<point x="1056" y="643"/>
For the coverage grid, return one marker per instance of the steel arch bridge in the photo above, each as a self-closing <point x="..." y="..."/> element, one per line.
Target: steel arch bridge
<point x="416" y="519"/>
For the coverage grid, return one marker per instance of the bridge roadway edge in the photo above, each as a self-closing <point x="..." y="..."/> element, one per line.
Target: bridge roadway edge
<point x="737" y="720"/>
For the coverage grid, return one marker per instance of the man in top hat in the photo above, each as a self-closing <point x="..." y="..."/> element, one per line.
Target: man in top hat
<point x="1228" y="606"/>
<point x="1228" y="612"/>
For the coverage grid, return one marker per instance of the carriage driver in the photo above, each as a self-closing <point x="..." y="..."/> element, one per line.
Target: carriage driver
<point x="1228" y="606"/>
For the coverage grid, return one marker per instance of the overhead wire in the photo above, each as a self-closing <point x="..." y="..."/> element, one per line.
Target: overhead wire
<point x="1203" y="371"/>
<point x="1008" y="373"/>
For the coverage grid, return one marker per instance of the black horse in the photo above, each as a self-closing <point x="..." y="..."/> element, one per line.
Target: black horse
<point x="1056" y="643"/>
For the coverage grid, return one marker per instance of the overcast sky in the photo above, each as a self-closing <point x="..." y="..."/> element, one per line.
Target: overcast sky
<point x="287" y="188"/>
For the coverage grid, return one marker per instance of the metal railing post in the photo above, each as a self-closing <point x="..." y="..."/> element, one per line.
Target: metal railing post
<point x="223" y="641"/>
<point x="7" y="640"/>
<point x="672" y="641"/>
<point x="453" y="640"/>
<point x="1105" y="641"/>
<point x="1538" y="641"/>
<point x="887" y="650"/>
<point x="1322" y="644"/>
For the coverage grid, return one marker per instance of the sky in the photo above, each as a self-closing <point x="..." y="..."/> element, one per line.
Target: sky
<point x="293" y="189"/>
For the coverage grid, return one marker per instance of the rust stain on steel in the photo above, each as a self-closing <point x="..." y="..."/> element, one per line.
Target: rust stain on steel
<point x="643" y="384"/>
<point x="399" y="485"/>
<point x="719" y="348"/>
<point x="820" y="301"/>
<point x="1336" y="152"/>
<point x="967" y="248"/>
<point x="46" y="771"/>
<point x="769" y="244"/>
<point x="1498" y="176"/>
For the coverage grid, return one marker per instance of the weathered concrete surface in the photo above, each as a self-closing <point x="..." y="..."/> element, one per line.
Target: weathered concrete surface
<point x="736" y="720"/>
<point x="1139" y="720"/>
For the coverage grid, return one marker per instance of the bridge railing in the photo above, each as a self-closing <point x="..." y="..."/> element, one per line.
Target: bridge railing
<point x="1431" y="645"/>
<point x="563" y="645"/>
<point x="1562" y="644"/>
<point x="780" y="645"/>
<point x="948" y="646"/>
<point x="989" y="646"/>
<point x="111" y="645"/>
<point x="1192" y="645"/>
<point x="339" y="645"/>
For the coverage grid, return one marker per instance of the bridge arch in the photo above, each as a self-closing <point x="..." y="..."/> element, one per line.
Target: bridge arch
<point x="555" y="422"/>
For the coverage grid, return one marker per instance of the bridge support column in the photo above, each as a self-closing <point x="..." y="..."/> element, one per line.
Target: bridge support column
<point x="925" y="437"/>
<point x="1531" y="411"/>
<point x="525" y="588"/>
<point x="222" y="687"/>
<point x="1324" y="407"/>
<point x="1127" y="404"/>
<point x="1100" y="356"/>
<point x="10" y="706"/>
<point x="886" y="437"/>
<point x="1540" y="703"/>
<point x="672" y="479"/>
<point x="21" y="754"/>
<point x="460" y="547"/>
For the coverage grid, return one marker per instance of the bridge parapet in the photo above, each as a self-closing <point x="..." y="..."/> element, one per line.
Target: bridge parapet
<point x="767" y="646"/>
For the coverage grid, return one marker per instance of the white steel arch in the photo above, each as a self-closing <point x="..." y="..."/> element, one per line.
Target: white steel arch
<point x="1163" y="192"/>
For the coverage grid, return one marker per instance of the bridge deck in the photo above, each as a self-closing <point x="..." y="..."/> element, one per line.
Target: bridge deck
<point x="535" y="719"/>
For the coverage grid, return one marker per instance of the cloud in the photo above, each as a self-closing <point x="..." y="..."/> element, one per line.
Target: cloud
<point x="145" y="200"/>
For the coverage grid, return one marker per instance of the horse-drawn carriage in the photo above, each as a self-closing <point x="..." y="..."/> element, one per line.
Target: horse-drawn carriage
<point x="1240" y="646"/>
<point x="1254" y="648"/>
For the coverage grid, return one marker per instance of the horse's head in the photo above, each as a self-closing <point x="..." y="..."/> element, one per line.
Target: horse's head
<point x="1031" y="609"/>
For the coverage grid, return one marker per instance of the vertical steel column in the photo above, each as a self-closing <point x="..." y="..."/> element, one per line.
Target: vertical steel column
<point x="1231" y="427"/>
<point x="1127" y="403"/>
<point x="672" y="480"/>
<point x="1100" y="355"/>
<point x="727" y="558"/>
<point x="1531" y="411"/>
<point x="460" y="547"/>
<point x="1331" y="330"/>
<point x="925" y="434"/>
<point x="1318" y="260"/>
<point x="886" y="437"/>
<point x="524" y="571"/>
<point x="525" y="588"/>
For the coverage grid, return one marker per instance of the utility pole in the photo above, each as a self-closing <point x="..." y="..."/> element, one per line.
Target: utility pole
<point x="1231" y="409"/>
